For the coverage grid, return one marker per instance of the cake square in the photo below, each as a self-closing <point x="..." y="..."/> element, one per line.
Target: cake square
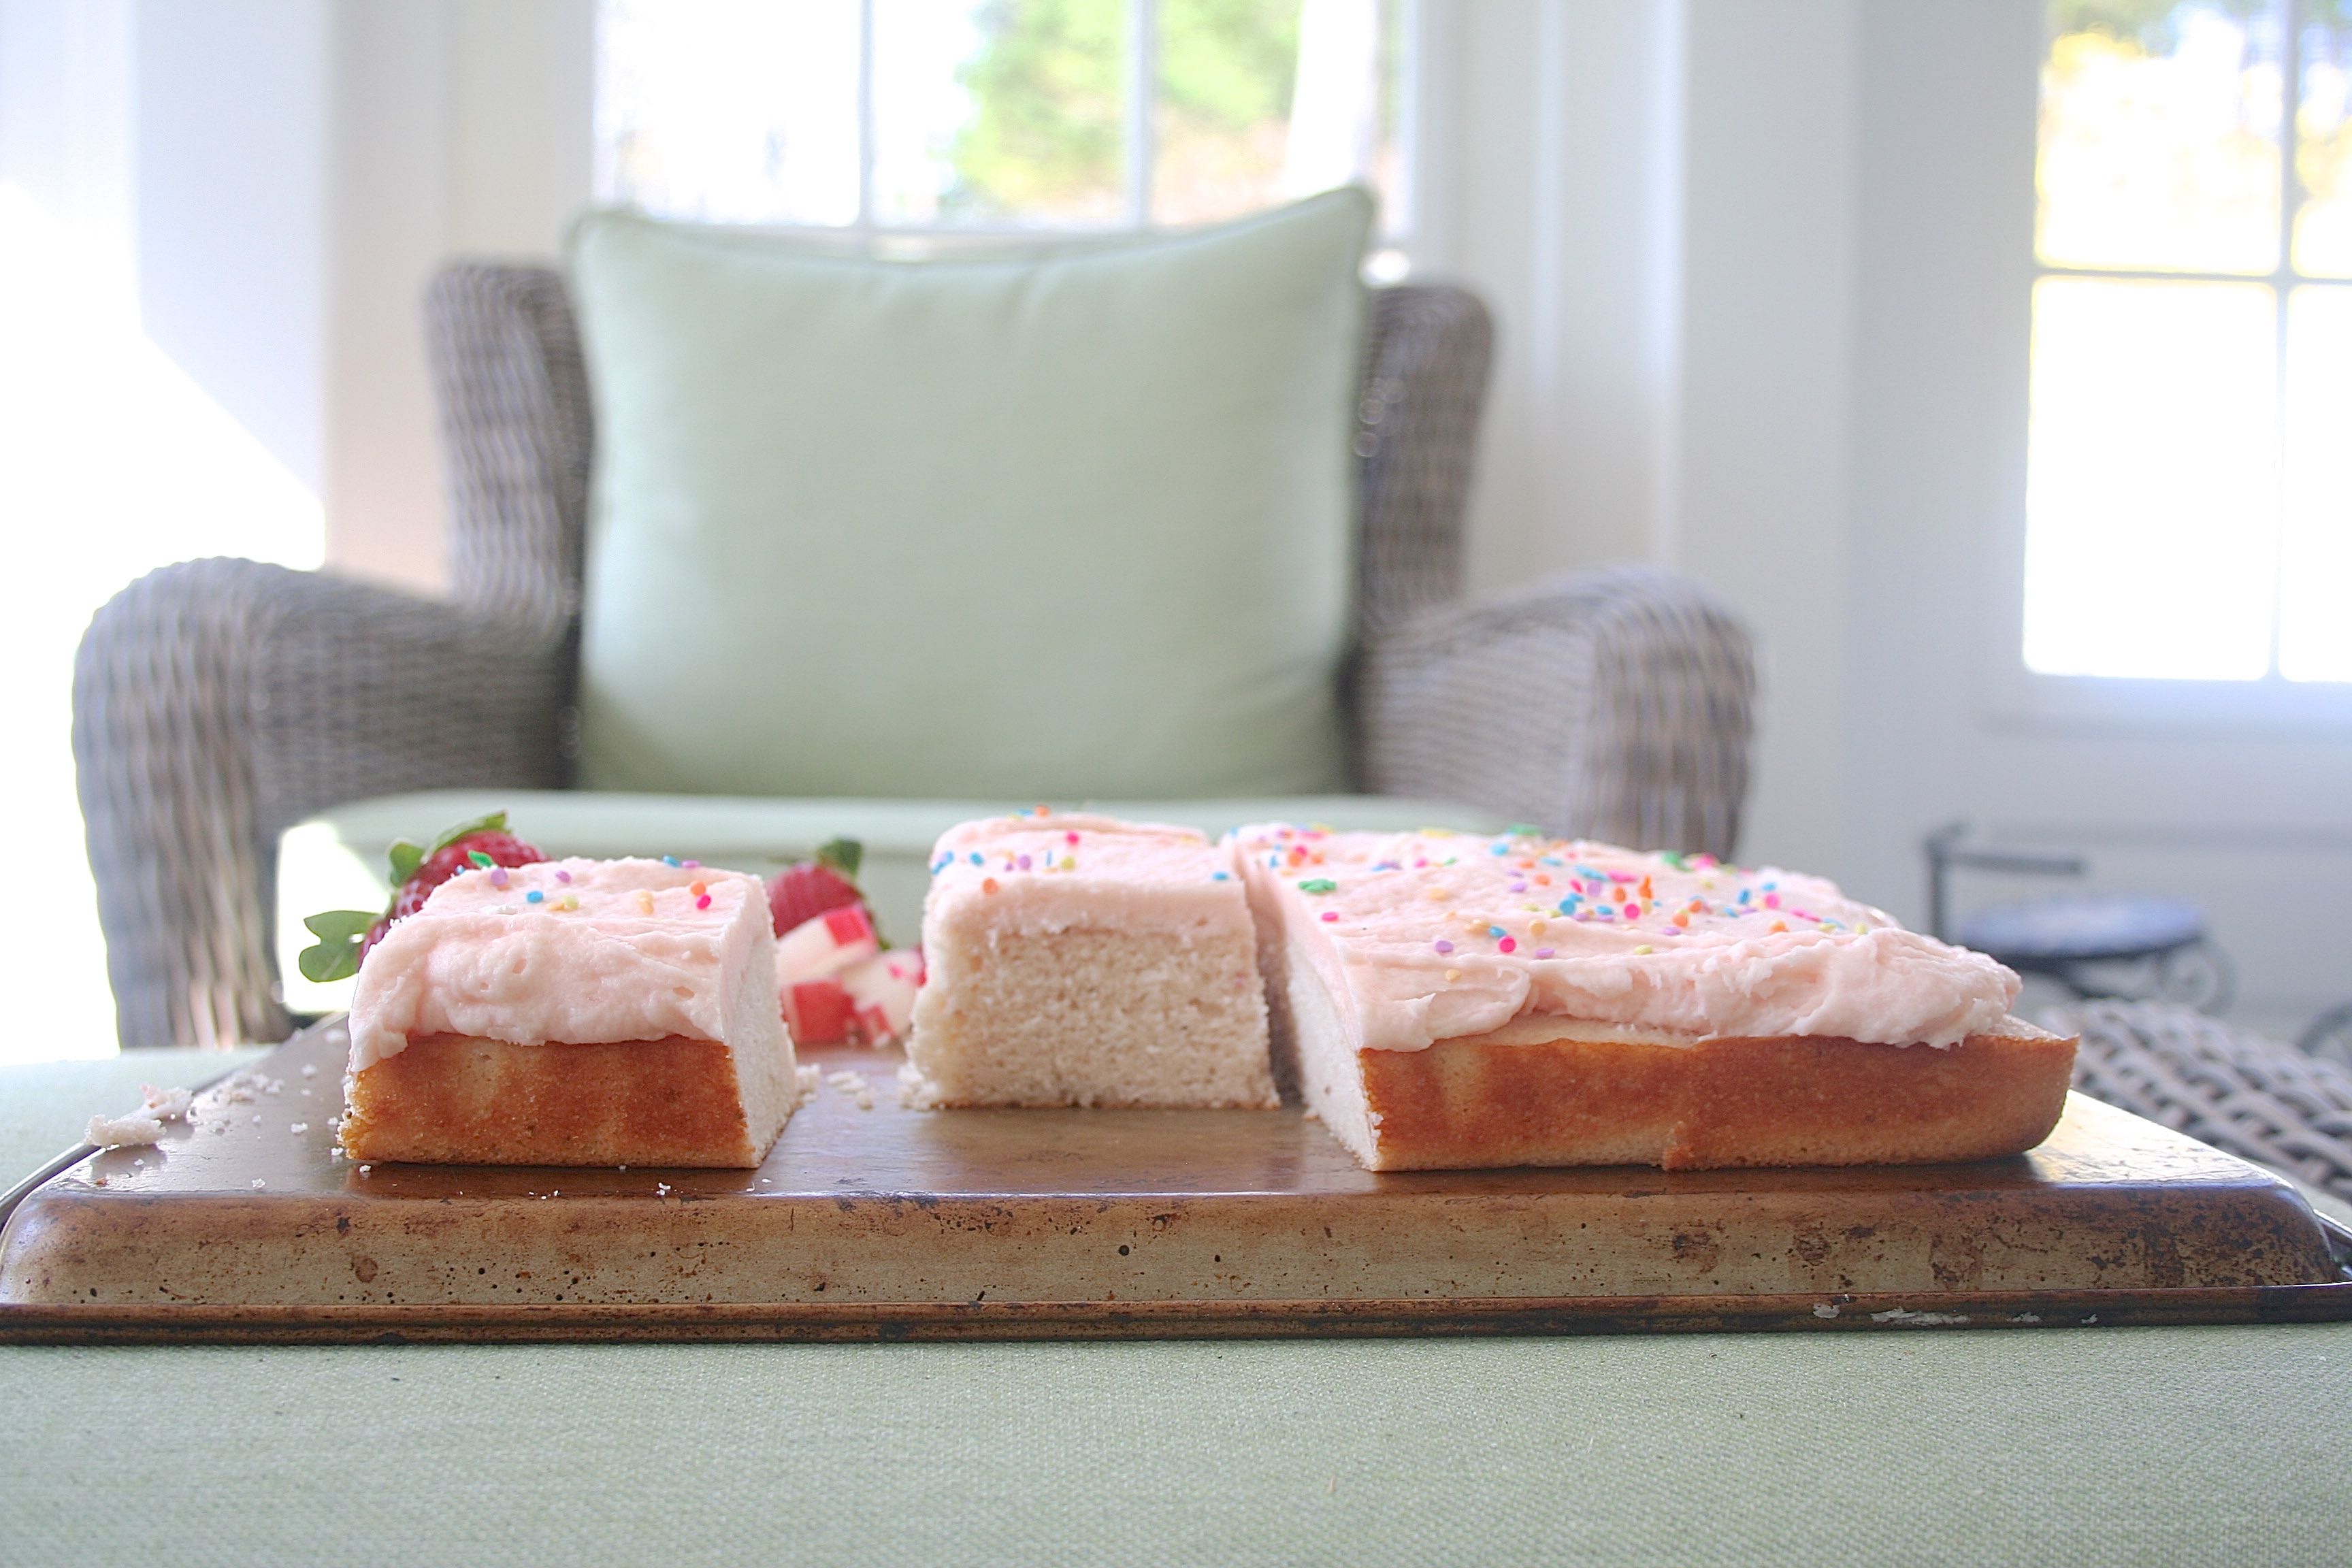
<point x="1075" y="959"/>
<point x="573" y="1013"/>
<point x="1447" y="1001"/>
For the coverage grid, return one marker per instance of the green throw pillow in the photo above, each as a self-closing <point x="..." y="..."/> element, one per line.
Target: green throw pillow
<point x="1073" y="523"/>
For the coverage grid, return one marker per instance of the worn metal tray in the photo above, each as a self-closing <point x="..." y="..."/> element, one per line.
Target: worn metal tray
<point x="889" y="1223"/>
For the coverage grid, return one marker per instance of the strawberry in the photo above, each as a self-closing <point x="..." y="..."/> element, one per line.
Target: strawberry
<point x="346" y="935"/>
<point x="802" y="891"/>
<point x="454" y="856"/>
<point x="818" y="1012"/>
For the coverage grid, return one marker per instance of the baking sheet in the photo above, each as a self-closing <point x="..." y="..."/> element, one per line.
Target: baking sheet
<point x="870" y="1220"/>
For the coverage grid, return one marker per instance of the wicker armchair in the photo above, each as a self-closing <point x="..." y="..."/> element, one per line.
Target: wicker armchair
<point x="218" y="702"/>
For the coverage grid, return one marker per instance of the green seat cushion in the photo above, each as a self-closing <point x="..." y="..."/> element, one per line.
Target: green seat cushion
<point x="1074" y="522"/>
<point x="336" y="861"/>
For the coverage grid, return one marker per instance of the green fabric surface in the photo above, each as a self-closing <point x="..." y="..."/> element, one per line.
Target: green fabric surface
<point x="336" y="860"/>
<point x="2058" y="1447"/>
<point x="1074" y="520"/>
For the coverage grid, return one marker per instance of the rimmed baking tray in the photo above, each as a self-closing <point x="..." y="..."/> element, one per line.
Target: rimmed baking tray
<point x="871" y="1221"/>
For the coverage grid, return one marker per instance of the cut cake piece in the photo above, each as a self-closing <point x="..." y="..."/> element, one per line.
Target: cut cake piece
<point x="1445" y="1002"/>
<point x="1085" y="961"/>
<point x="573" y="1013"/>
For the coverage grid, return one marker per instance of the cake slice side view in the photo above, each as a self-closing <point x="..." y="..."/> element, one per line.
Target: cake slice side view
<point x="1083" y="961"/>
<point x="1447" y="1001"/>
<point x="573" y="1013"/>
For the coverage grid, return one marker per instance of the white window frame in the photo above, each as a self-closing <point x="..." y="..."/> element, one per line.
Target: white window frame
<point x="867" y="231"/>
<point x="2270" y="703"/>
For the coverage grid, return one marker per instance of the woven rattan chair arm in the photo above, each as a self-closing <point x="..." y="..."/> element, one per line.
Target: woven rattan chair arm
<point x="217" y="702"/>
<point x="1425" y="386"/>
<point x="519" y="434"/>
<point x="1615" y="706"/>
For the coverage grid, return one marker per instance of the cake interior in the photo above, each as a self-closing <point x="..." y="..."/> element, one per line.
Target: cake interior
<point x="463" y="1100"/>
<point x="1090" y="1016"/>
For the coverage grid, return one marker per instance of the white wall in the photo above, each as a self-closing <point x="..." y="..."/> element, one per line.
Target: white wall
<point x="231" y="194"/>
<point x="462" y="127"/>
<point x="1552" y="185"/>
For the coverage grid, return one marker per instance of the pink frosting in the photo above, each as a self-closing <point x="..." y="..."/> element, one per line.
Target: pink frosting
<point x="1432" y="936"/>
<point x="615" y="950"/>
<point x="1051" y="872"/>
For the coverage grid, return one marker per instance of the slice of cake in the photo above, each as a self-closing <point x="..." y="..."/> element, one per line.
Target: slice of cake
<point x="573" y="1013"/>
<point x="1083" y="961"/>
<point x="1448" y="1000"/>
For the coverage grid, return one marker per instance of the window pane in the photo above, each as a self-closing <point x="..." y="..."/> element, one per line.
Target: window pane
<point x="732" y="111"/>
<point x="2316" y="574"/>
<point x="2323" y="225"/>
<point x="2160" y="136"/>
<point x="2150" y="492"/>
<point x="1264" y="100"/>
<point x="990" y="112"/>
<point x="1228" y="71"/>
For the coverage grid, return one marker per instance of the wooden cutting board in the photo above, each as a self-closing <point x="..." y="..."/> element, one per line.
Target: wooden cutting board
<point x="871" y="1220"/>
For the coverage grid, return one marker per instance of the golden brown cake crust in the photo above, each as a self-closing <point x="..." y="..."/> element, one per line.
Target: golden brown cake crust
<point x="453" y="1099"/>
<point x="1467" y="1103"/>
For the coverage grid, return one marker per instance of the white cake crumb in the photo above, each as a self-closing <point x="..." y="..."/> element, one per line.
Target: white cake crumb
<point x="661" y="1189"/>
<point x="130" y="1131"/>
<point x="164" y="1104"/>
<point x="298" y="1127"/>
<point x="143" y="1126"/>
<point x="845" y="1080"/>
<point x="365" y="1169"/>
<point x="808" y="1079"/>
<point x="309" y="1069"/>
<point x="258" y="1184"/>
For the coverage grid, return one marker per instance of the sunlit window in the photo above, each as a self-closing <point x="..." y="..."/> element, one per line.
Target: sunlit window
<point x="2189" y="506"/>
<point x="930" y="117"/>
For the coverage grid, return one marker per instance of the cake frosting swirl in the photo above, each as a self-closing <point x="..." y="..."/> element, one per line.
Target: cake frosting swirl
<point x="1435" y="936"/>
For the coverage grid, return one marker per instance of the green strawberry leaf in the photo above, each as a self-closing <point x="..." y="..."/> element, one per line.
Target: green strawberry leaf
<point x="843" y="854"/>
<point x="405" y="859"/>
<point x="337" y="954"/>
<point x="339" y="925"/>
<point x="495" y="822"/>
